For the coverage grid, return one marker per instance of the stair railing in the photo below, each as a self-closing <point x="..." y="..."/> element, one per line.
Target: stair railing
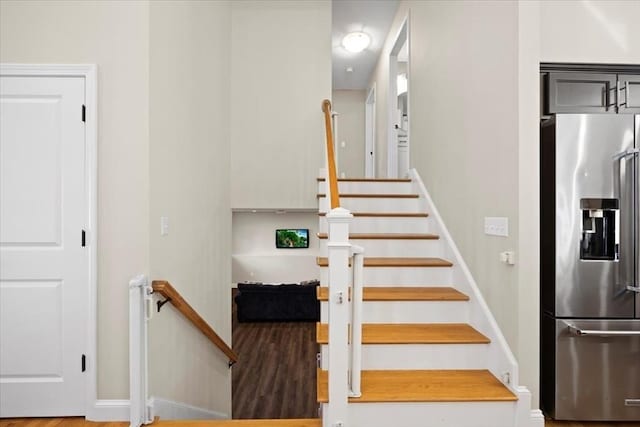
<point x="356" y="321"/>
<point x="165" y="289"/>
<point x="345" y="360"/>
<point x="332" y="181"/>
<point x="140" y="313"/>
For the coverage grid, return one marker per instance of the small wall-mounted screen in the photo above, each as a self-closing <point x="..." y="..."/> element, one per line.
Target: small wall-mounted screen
<point x="292" y="238"/>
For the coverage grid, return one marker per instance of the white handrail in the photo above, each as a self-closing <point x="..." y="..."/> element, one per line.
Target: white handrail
<point x="356" y="321"/>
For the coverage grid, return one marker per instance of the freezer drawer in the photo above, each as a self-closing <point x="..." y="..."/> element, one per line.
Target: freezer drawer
<point x="597" y="370"/>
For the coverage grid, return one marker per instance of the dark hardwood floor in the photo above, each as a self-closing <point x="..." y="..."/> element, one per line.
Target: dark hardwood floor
<point x="276" y="374"/>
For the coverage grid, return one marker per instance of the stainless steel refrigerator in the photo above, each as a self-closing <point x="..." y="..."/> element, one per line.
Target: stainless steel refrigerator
<point x="590" y="251"/>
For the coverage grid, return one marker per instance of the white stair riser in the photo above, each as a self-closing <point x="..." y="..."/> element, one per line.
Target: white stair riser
<point x="384" y="225"/>
<point x="375" y="204"/>
<point x="419" y="356"/>
<point x="369" y="187"/>
<point x="409" y="312"/>
<point x="400" y="276"/>
<point x="394" y="247"/>
<point x="432" y="414"/>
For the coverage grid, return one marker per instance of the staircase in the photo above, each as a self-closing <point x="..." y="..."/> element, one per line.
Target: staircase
<point x="432" y="354"/>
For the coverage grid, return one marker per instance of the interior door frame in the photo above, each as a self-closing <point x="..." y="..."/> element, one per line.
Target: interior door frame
<point x="370" y="131"/>
<point x="392" y="102"/>
<point x="89" y="73"/>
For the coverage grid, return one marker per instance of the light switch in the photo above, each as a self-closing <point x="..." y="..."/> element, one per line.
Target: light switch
<point x="343" y="144"/>
<point x="496" y="226"/>
<point x="164" y="225"/>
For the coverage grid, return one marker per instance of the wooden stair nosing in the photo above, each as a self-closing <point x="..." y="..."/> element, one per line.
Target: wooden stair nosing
<point x="369" y="179"/>
<point x="373" y="196"/>
<point x="424" y="386"/>
<point x="395" y="262"/>
<point x="386" y="214"/>
<point x="407" y="293"/>
<point x="386" y="236"/>
<point x="412" y="333"/>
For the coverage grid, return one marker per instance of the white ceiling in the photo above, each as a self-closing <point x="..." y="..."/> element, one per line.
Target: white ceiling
<point x="373" y="17"/>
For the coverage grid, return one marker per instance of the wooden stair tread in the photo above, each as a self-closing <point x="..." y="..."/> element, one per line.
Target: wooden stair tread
<point x="369" y="179"/>
<point x="386" y="214"/>
<point x="425" y="386"/>
<point x="408" y="293"/>
<point x="387" y="236"/>
<point x="374" y="196"/>
<point x="412" y="333"/>
<point x="306" y="422"/>
<point x="395" y="262"/>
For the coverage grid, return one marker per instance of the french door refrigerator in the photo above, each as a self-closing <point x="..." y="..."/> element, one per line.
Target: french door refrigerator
<point x="590" y="251"/>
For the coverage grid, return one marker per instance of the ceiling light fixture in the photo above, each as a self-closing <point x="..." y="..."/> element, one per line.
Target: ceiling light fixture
<point x="356" y="42"/>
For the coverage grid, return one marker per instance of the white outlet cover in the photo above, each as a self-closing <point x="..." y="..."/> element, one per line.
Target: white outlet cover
<point x="496" y="226"/>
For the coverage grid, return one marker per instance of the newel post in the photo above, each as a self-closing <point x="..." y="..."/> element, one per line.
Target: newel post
<point x="339" y="277"/>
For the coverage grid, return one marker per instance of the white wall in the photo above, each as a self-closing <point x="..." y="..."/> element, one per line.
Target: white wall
<point x="475" y="102"/>
<point x="189" y="169"/>
<point x="350" y="105"/>
<point x="255" y="257"/>
<point x="281" y="71"/>
<point x="114" y="35"/>
<point x="592" y="31"/>
<point x="528" y="346"/>
<point x="464" y="130"/>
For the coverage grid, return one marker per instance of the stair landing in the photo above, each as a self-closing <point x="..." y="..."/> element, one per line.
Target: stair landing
<point x="425" y="386"/>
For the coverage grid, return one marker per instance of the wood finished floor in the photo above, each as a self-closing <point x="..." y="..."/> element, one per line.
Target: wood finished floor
<point x="80" y="422"/>
<point x="276" y="374"/>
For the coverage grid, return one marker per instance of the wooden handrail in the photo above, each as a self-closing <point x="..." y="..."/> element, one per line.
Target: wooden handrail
<point x="165" y="289"/>
<point x="331" y="159"/>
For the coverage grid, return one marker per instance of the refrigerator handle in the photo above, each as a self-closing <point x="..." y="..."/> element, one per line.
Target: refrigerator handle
<point x="630" y="152"/>
<point x="574" y="330"/>
<point x="626" y="247"/>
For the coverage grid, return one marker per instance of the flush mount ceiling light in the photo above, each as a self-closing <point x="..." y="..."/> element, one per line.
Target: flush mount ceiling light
<point x="356" y="42"/>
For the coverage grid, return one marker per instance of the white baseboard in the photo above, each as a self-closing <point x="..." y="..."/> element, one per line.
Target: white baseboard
<point x="109" y="410"/>
<point x="170" y="410"/>
<point x="537" y="418"/>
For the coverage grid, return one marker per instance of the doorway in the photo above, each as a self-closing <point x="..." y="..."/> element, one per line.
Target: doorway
<point x="398" y="138"/>
<point x="47" y="250"/>
<point x="370" y="133"/>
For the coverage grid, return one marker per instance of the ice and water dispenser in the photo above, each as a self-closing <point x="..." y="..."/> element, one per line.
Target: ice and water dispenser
<point x="600" y="229"/>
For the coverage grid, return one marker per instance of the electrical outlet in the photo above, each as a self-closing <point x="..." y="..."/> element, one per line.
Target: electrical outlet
<point x="508" y="257"/>
<point x="496" y="226"/>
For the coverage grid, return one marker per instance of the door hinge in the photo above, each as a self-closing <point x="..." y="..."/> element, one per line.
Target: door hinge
<point x="84" y="238"/>
<point x="84" y="363"/>
<point x="84" y="113"/>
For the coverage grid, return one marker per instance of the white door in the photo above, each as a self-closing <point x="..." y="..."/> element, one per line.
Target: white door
<point x="43" y="264"/>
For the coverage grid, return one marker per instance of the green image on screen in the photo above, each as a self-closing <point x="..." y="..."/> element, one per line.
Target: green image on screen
<point x="292" y="238"/>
